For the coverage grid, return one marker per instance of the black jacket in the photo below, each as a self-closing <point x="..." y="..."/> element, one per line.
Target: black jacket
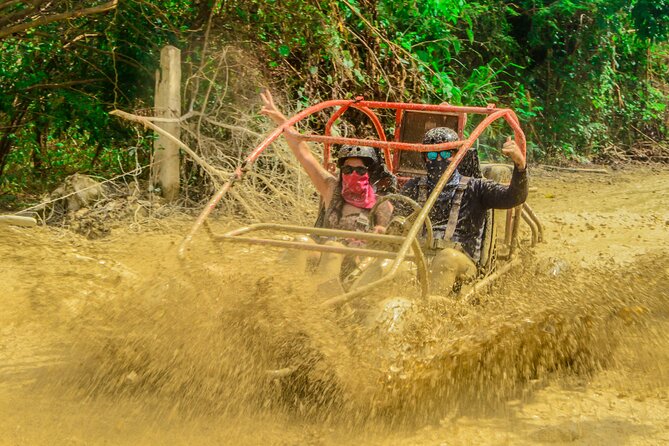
<point x="479" y="196"/>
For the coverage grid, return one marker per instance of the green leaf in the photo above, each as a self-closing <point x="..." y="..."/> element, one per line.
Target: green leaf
<point x="284" y="50"/>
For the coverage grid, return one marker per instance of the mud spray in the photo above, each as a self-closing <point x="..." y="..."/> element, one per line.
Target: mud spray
<point x="103" y="344"/>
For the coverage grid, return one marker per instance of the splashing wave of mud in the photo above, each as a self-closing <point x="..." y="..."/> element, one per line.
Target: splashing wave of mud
<point x="206" y="337"/>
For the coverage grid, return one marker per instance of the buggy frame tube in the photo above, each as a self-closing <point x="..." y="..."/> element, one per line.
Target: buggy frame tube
<point x="371" y="236"/>
<point x="310" y="246"/>
<point x="336" y="115"/>
<point x="379" y="130"/>
<point x="181" y="253"/>
<point x="328" y="132"/>
<point x="533" y="227"/>
<point x="517" y="217"/>
<point x="535" y="219"/>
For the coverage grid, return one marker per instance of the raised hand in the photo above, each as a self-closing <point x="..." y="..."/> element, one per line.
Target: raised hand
<point x="320" y="177"/>
<point x="511" y="150"/>
<point x="270" y="110"/>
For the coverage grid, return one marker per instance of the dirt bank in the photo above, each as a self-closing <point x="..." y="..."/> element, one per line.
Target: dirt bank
<point x="113" y="341"/>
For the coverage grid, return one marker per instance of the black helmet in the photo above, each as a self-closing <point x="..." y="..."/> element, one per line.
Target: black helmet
<point x="439" y="135"/>
<point x="367" y="154"/>
<point x="469" y="165"/>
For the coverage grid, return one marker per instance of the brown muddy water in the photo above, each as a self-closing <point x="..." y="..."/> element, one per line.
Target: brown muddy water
<point x="115" y="342"/>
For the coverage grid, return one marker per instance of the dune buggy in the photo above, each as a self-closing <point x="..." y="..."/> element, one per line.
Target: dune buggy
<point x="402" y="153"/>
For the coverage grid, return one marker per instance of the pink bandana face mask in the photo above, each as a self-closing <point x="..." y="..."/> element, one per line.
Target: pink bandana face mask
<point x="357" y="191"/>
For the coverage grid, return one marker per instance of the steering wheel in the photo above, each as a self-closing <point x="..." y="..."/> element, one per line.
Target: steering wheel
<point x="416" y="210"/>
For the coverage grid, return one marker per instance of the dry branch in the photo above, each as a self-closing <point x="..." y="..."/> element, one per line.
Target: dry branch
<point x="65" y="84"/>
<point x="17" y="220"/>
<point x="574" y="169"/>
<point x="206" y="118"/>
<point x="211" y="170"/>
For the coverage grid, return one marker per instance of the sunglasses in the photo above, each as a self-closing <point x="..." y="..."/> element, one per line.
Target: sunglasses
<point x="445" y="154"/>
<point x="348" y="170"/>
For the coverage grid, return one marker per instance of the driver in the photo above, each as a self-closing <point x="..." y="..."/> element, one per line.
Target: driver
<point x="458" y="215"/>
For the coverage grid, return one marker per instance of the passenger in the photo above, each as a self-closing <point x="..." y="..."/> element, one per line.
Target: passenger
<point x="349" y="196"/>
<point x="458" y="215"/>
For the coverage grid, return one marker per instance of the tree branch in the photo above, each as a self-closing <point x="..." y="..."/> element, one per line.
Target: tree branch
<point x="7" y="18"/>
<point x="211" y="170"/>
<point x="206" y="118"/>
<point x="65" y="84"/>
<point x="8" y="3"/>
<point x="56" y="17"/>
<point x="82" y="36"/>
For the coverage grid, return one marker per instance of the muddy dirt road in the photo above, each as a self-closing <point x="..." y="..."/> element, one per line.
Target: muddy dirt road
<point x="114" y="342"/>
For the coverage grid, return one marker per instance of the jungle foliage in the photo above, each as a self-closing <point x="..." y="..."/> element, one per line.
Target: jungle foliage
<point x="583" y="76"/>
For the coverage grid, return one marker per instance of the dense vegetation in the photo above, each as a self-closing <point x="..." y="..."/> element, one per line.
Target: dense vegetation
<point x="585" y="76"/>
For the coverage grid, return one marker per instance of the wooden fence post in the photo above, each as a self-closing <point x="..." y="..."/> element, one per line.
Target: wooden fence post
<point x="166" y="173"/>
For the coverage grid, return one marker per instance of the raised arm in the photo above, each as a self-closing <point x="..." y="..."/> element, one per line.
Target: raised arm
<point x="319" y="176"/>
<point x="497" y="196"/>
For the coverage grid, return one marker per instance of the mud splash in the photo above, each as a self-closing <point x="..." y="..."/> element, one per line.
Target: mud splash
<point x="205" y="344"/>
<point x="161" y="352"/>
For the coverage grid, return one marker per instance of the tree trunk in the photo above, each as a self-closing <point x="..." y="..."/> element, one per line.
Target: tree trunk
<point x="39" y="154"/>
<point x="6" y="140"/>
